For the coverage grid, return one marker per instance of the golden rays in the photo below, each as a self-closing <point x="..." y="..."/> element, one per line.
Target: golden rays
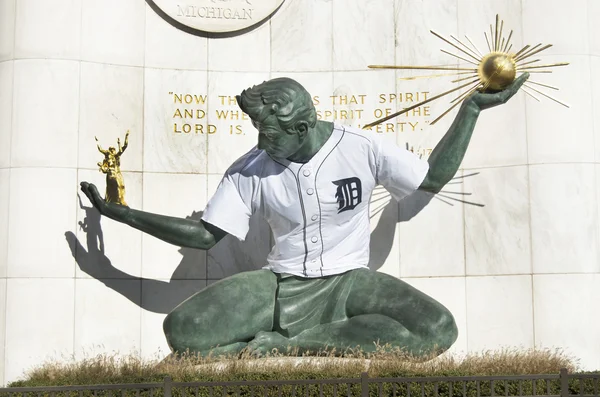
<point x="493" y="71"/>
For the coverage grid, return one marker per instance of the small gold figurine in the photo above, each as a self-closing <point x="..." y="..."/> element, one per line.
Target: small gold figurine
<point x="111" y="166"/>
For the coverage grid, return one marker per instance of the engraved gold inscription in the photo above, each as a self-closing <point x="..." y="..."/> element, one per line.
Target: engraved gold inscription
<point x="198" y="114"/>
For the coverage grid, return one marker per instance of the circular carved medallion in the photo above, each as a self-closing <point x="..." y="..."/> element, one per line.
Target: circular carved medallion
<point x="217" y="16"/>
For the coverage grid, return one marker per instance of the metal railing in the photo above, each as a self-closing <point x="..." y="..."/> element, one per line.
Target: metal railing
<point x="563" y="384"/>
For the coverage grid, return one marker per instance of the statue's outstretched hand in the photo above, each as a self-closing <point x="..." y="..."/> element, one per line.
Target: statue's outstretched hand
<point x="110" y="210"/>
<point x="486" y="100"/>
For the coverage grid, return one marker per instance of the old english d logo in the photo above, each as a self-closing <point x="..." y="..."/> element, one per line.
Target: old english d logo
<point x="349" y="193"/>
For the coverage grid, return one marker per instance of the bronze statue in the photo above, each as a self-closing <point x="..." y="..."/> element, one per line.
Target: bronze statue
<point x="311" y="180"/>
<point x="111" y="166"/>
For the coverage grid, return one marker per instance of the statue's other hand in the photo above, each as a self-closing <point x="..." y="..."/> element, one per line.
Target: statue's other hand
<point x="90" y="190"/>
<point x="486" y="100"/>
<point x="111" y="210"/>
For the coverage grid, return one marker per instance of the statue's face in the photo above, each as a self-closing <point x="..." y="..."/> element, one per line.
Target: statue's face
<point x="275" y="141"/>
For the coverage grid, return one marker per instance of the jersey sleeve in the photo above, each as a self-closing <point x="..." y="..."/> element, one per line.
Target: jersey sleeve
<point x="229" y="209"/>
<point x="400" y="171"/>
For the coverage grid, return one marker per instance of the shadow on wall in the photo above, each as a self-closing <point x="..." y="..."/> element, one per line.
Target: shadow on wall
<point x="230" y="256"/>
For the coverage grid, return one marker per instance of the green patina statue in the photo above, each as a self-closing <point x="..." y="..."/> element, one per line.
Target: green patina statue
<point x="312" y="182"/>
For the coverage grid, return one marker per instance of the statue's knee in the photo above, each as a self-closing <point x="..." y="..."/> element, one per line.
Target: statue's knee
<point x="168" y="322"/>
<point x="173" y="327"/>
<point x="445" y="330"/>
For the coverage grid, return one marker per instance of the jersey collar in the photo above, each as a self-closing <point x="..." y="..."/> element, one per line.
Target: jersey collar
<point x="317" y="159"/>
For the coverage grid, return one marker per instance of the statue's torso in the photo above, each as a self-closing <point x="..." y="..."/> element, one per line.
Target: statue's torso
<point x="319" y="210"/>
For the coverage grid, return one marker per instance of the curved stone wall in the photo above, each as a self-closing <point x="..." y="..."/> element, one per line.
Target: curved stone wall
<point x="523" y="270"/>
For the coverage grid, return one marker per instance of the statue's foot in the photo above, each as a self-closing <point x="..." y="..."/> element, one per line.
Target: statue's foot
<point x="268" y="342"/>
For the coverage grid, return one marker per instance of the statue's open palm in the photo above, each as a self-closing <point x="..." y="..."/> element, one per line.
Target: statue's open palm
<point x="111" y="210"/>
<point x="485" y="100"/>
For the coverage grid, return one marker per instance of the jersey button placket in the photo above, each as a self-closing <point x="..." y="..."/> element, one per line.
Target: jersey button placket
<point x="311" y="191"/>
<point x="312" y="206"/>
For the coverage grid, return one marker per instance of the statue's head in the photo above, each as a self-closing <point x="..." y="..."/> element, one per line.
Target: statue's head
<point x="282" y="111"/>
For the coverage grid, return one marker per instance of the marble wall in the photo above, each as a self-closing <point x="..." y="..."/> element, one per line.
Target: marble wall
<point x="524" y="270"/>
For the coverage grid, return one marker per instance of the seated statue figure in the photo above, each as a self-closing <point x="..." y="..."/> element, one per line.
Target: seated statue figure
<point x="312" y="181"/>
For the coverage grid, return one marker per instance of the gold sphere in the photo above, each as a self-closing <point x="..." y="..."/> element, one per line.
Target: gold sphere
<point x="497" y="70"/>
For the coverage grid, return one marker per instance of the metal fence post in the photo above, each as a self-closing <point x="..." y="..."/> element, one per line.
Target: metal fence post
<point x="168" y="385"/>
<point x="364" y="384"/>
<point x="564" y="382"/>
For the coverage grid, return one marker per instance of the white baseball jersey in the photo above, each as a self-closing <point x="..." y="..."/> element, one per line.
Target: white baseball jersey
<point x="319" y="210"/>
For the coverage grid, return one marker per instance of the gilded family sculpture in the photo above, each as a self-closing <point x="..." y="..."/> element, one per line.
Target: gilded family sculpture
<point x="111" y="166"/>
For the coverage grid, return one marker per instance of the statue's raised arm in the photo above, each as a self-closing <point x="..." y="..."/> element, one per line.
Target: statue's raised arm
<point x="448" y="154"/>
<point x="122" y="148"/>
<point x="104" y="152"/>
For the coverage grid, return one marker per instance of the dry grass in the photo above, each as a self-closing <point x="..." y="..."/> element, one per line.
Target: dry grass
<point x="112" y="369"/>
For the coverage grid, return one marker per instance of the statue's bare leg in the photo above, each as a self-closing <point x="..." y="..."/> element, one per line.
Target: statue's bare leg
<point x="223" y="317"/>
<point x="380" y="309"/>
